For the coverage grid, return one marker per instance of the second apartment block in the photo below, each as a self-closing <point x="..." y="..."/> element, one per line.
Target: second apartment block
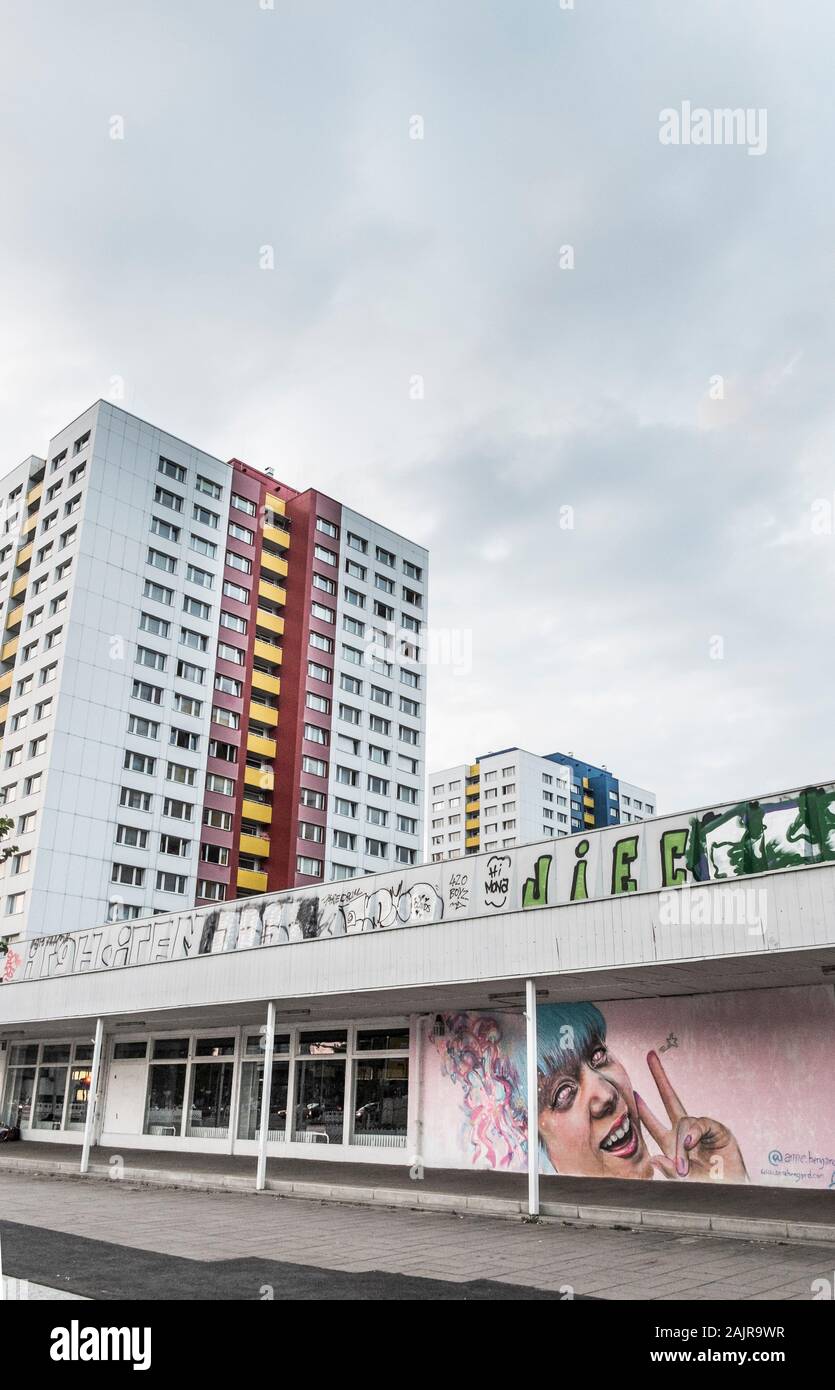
<point x="211" y="683"/>
<point x="514" y="797"/>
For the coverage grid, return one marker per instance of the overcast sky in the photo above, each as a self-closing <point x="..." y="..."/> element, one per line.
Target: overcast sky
<point x="545" y="388"/>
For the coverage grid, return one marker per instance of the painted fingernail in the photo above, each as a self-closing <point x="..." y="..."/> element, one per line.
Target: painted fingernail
<point x="637" y="1097"/>
<point x="682" y="1167"/>
<point x="688" y="1141"/>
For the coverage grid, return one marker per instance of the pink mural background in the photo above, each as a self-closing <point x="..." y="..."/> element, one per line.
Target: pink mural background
<point x="760" y="1062"/>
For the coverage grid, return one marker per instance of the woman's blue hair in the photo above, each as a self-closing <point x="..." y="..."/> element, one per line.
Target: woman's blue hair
<point x="565" y="1034"/>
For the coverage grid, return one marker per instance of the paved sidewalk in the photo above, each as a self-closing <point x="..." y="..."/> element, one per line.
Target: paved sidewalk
<point x="250" y="1231"/>
<point x="763" y="1213"/>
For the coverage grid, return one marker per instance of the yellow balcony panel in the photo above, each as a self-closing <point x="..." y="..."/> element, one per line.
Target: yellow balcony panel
<point x="6" y="680"/>
<point x="34" y="494"/>
<point x="473" y="824"/>
<point x="7" y="652"/>
<point x="262" y="747"/>
<point x="29" y="525"/>
<point x="273" y="622"/>
<point x="256" y="810"/>
<point x="15" y="616"/>
<point x="263" y="714"/>
<point x="267" y="652"/>
<point x="586" y="782"/>
<point x="472" y="841"/>
<point x="276" y="535"/>
<point x="261" y="681"/>
<point x="258" y="845"/>
<point x="271" y="591"/>
<point x="588" y="818"/>
<point x="473" y="806"/>
<point x="274" y="504"/>
<point x="473" y="771"/>
<point x="19" y="586"/>
<point x="4" y="709"/>
<point x="248" y="878"/>
<point x="274" y="563"/>
<point x="262" y="777"/>
<point x="24" y="555"/>
<point x="588" y="801"/>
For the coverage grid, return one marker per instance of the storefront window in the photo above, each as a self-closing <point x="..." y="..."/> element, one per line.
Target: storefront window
<point x="49" y="1097"/>
<point x="395" y="1039"/>
<point x="211" y="1099"/>
<point x="249" y="1115"/>
<point x="166" y="1089"/>
<point x="381" y="1100"/>
<point x="79" y="1092"/>
<point x="20" y="1086"/>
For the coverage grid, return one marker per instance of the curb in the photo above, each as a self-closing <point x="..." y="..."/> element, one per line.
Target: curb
<point x="552" y="1213"/>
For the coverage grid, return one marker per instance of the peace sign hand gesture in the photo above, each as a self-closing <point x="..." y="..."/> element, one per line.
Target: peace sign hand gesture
<point x="691" y="1147"/>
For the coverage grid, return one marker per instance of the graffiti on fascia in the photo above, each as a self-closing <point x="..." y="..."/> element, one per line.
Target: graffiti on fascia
<point x="715" y="845"/>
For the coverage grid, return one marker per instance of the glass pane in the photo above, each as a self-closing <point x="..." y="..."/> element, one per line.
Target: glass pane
<point x="211" y="1097"/>
<point x="84" y="1052"/>
<point x="326" y="1043"/>
<point x="320" y="1101"/>
<point x="17" y="1107"/>
<point x="249" y="1116"/>
<point x="125" y="1051"/>
<point x="164" y="1111"/>
<point x="79" y="1090"/>
<point x="383" y="1039"/>
<point x="381" y="1099"/>
<point x="23" y="1054"/>
<point x="171" y="1047"/>
<point x="49" y="1097"/>
<point x="255" y="1043"/>
<point x="214" y="1047"/>
<point x="56" y="1052"/>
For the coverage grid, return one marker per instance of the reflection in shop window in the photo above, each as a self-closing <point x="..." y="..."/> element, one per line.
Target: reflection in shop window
<point x="381" y="1100"/>
<point x="211" y="1100"/>
<point x="319" y="1112"/>
<point x="166" y="1087"/>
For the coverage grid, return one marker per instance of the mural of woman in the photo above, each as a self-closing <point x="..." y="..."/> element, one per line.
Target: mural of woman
<point x="592" y="1121"/>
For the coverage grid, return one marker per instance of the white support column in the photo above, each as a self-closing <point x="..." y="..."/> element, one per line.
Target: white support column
<point x="533" y="1098"/>
<point x="92" y="1096"/>
<point x="266" y="1092"/>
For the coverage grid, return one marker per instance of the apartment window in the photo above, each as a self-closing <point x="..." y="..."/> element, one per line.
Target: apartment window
<point x="131" y="835"/>
<point x="238" y="562"/>
<point x="53" y="491"/>
<point x="146" y="656"/>
<point x="170" y="883"/>
<point x="187" y="671"/>
<point x="205" y="517"/>
<point x="14" y="904"/>
<point x="315" y="766"/>
<point x="408" y="706"/>
<point x="158" y="592"/>
<point x="309" y="831"/>
<point x="233" y="654"/>
<point x="380" y="696"/>
<point x="203" y="547"/>
<point x="343" y="807"/>
<point x="376" y="849"/>
<point x="208" y="488"/>
<point x="314" y="734"/>
<point x="55" y="465"/>
<point x="315" y="800"/>
<point x="354" y="597"/>
<point x="350" y="714"/>
<point x="140" y="762"/>
<point x="381" y="581"/>
<point x="325" y="644"/>
<point x="186" y="704"/>
<point x="224" y="786"/>
<point x="32" y="785"/>
<point x="218" y="820"/>
<point x="227" y="717"/>
<point x="407" y="794"/>
<point x="317" y="702"/>
<point x="378" y="755"/>
<point x="178" y="772"/>
<point x="377" y="816"/>
<point x="378" y="725"/>
<point x="410" y="678"/>
<point x="320" y="581"/>
<point x="352" y="654"/>
<point x="384" y="611"/>
<point x="355" y="570"/>
<point x="244" y="505"/>
<point x="194" y="575"/>
<point x="347" y="776"/>
<point x="325" y="615"/>
<point x="350" y="684"/>
<point x="214" y="892"/>
<point x="317" y="672"/>
<point x="72" y="506"/>
<point x="35" y="617"/>
<point x="49" y="521"/>
<point x="142" y="690"/>
<point x="357" y="543"/>
<point x="378" y="785"/>
<point x="174" y="844"/>
<point x="53" y="638"/>
<point x="408" y="735"/>
<point x="327" y="527"/>
<point x="412" y="571"/>
<point x="413" y="597"/>
<point x="235" y="591"/>
<point x="190" y="638"/>
<point x="214" y="854"/>
<point x="20" y="720"/>
<point x="386" y="557"/>
<point x="342" y="840"/>
<point x="159" y="627"/>
<point x="9" y="794"/>
<point x="135" y="800"/>
<point x="196" y="608"/>
<point x="311" y="867"/>
<point x="177" y="810"/>
<point x="128" y="874"/>
<point x="407" y="825"/>
<point x="353" y="625"/>
<point x="329" y="557"/>
<point x="228" y="686"/>
<point x="26" y="655"/>
<point x="161" y="561"/>
<point x="403" y="855"/>
<point x="345" y="744"/>
<point x="241" y="533"/>
<point x="143" y="728"/>
<point x="165" y="530"/>
<point x="233" y="622"/>
<point x="67" y="537"/>
<point x="171" y="500"/>
<point x="171" y="470"/>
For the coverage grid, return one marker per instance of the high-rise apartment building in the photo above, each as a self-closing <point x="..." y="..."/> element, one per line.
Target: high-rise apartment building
<point x="515" y="797"/>
<point x="211" y="684"/>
